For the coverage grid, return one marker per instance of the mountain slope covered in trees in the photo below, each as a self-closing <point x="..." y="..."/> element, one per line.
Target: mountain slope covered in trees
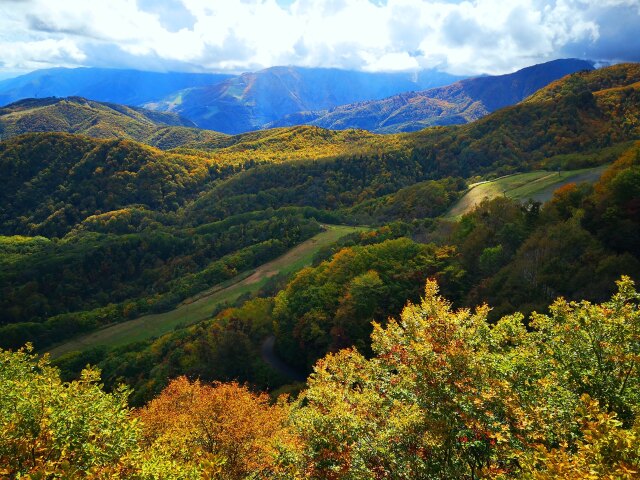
<point x="53" y="181"/>
<point x="460" y="102"/>
<point x="99" y="120"/>
<point x="446" y="393"/>
<point x="579" y="128"/>
<point x="513" y="256"/>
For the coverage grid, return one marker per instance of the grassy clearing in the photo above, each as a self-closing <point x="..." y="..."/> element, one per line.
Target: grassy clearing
<point x="199" y="307"/>
<point x="538" y="185"/>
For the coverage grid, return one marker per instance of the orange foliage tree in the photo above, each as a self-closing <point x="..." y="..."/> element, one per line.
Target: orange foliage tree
<point x="224" y="430"/>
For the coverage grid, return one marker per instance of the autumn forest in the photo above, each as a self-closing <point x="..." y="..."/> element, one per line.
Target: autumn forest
<point x="452" y="302"/>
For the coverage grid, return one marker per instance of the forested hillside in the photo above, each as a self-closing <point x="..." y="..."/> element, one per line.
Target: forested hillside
<point x="445" y="393"/>
<point x="52" y="182"/>
<point x="147" y="196"/>
<point x="579" y="128"/>
<point x="539" y="381"/>
<point x="516" y="257"/>
<point x="99" y="120"/>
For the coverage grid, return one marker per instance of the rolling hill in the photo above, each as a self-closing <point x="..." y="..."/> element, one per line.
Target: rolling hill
<point x="460" y="102"/>
<point x="98" y="120"/>
<point x="52" y="181"/>
<point x="129" y="87"/>
<point x="252" y="100"/>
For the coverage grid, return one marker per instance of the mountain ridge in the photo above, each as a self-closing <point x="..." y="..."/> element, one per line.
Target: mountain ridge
<point x="125" y="86"/>
<point x="288" y="96"/>
<point x="253" y="99"/>
<point x="460" y="102"/>
<point x="98" y="120"/>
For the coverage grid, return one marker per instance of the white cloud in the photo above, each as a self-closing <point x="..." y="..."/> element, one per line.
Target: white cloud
<point x="32" y="55"/>
<point x="474" y="36"/>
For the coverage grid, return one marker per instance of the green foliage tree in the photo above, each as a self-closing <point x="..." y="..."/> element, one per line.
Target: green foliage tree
<point x="331" y="306"/>
<point x="449" y="395"/>
<point x="605" y="450"/>
<point x="54" y="429"/>
<point x="596" y="348"/>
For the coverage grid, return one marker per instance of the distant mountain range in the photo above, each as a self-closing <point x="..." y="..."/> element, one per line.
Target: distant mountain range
<point x="274" y="97"/>
<point x="252" y="100"/>
<point x="129" y="87"/>
<point x="221" y="102"/>
<point x="99" y="120"/>
<point x="460" y="102"/>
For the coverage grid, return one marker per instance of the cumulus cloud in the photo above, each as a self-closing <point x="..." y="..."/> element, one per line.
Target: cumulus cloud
<point x="466" y="37"/>
<point x="45" y="53"/>
<point x="617" y="33"/>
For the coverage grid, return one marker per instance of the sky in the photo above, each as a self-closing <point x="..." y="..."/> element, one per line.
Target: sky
<point x="460" y="37"/>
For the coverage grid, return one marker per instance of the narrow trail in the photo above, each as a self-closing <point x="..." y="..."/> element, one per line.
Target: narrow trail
<point x="268" y="354"/>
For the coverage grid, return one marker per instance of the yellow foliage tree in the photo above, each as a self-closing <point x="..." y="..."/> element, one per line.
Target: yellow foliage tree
<point x="449" y="395"/>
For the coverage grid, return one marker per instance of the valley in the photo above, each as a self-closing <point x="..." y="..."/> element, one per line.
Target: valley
<point x="182" y="220"/>
<point x="201" y="306"/>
